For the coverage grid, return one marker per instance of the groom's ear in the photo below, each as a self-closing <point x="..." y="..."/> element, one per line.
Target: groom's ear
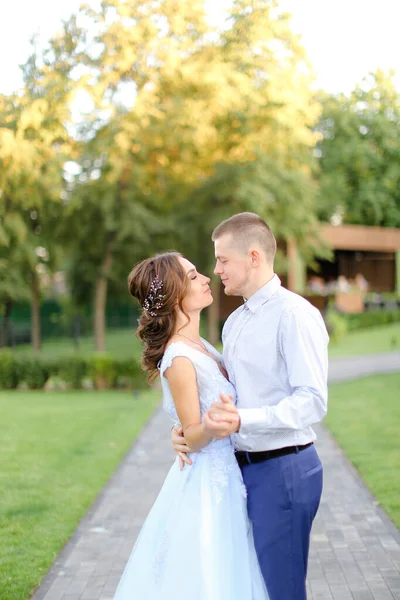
<point x="255" y="257"/>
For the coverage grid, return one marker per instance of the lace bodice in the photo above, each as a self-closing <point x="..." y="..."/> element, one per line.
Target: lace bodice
<point x="210" y="380"/>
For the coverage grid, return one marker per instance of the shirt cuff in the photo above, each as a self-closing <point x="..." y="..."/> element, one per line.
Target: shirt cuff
<point x="252" y="420"/>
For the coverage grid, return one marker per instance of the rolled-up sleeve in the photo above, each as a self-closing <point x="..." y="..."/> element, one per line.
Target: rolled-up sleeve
<point x="303" y="344"/>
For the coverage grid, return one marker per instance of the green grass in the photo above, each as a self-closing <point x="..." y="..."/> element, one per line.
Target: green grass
<point x="121" y="343"/>
<point x="57" y="452"/>
<point x="367" y="341"/>
<point x="364" y="417"/>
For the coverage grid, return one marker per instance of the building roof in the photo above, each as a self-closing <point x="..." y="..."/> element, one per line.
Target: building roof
<point x="358" y="237"/>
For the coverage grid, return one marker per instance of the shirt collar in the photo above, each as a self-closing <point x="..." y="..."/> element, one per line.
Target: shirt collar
<point x="263" y="294"/>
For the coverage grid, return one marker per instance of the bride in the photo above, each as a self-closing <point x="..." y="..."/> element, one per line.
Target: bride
<point x="197" y="540"/>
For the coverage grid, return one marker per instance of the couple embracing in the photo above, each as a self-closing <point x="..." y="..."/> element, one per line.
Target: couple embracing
<point x="234" y="522"/>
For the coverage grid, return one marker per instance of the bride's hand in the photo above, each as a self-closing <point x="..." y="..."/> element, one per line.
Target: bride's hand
<point x="180" y="446"/>
<point x="222" y="419"/>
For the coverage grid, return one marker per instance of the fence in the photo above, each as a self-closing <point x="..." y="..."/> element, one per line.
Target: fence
<point x="56" y="322"/>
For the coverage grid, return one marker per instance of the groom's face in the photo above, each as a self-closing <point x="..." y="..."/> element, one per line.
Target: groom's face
<point x="232" y="266"/>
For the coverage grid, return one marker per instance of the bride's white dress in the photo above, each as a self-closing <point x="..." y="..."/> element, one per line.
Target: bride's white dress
<point x="197" y="541"/>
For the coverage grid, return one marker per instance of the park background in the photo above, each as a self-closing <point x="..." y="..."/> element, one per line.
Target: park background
<point x="135" y="127"/>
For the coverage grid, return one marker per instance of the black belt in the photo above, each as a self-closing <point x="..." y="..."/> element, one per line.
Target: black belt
<point x="248" y="458"/>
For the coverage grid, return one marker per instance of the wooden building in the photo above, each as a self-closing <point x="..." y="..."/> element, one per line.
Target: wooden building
<point x="373" y="252"/>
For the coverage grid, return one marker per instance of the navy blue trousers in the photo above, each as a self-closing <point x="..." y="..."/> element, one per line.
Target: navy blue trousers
<point x="283" y="496"/>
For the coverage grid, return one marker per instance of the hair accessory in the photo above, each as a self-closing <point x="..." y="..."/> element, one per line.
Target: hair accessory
<point x="154" y="299"/>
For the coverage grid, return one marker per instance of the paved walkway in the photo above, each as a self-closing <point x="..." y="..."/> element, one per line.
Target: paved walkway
<point x="355" y="549"/>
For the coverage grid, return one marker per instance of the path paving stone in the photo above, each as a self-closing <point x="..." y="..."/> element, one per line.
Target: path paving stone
<point x="355" y="548"/>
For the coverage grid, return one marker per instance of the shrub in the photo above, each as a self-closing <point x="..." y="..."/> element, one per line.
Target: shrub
<point x="55" y="383"/>
<point x="372" y="319"/>
<point x="336" y="325"/>
<point x="102" y="369"/>
<point x="87" y="384"/>
<point x="74" y="370"/>
<point x="8" y="370"/>
<point x="130" y="374"/>
<point x="34" y="372"/>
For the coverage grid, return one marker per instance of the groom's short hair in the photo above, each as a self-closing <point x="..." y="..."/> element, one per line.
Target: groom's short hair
<point x="246" y="229"/>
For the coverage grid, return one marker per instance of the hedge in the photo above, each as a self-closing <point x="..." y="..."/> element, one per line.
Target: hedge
<point x="371" y="318"/>
<point x="339" y="324"/>
<point x="99" y="371"/>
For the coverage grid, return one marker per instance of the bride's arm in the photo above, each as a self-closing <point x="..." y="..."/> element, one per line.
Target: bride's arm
<point x="182" y="382"/>
<point x="180" y="446"/>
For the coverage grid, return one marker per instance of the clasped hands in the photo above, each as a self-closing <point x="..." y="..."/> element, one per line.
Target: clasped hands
<point x="221" y="420"/>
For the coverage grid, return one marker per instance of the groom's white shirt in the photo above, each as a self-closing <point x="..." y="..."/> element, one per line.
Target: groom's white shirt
<point x="276" y="355"/>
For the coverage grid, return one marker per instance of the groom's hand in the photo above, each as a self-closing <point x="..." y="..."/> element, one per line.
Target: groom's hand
<point x="180" y="446"/>
<point x="222" y="419"/>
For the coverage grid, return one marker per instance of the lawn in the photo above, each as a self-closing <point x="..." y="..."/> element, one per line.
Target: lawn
<point x="57" y="452"/>
<point x="122" y="343"/>
<point x="364" y="417"/>
<point x="367" y="341"/>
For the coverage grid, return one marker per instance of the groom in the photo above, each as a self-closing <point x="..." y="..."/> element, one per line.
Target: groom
<point x="275" y="352"/>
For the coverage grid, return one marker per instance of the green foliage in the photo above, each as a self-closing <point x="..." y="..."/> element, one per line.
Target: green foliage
<point x="377" y="298"/>
<point x="202" y="99"/>
<point x="34" y="144"/>
<point x="126" y="370"/>
<point x="56" y="383"/>
<point x="359" y="154"/>
<point x="339" y="324"/>
<point x="336" y="325"/>
<point x="34" y="372"/>
<point x="372" y="319"/>
<point x="8" y="370"/>
<point x="14" y="259"/>
<point x="208" y="108"/>
<point x="73" y="370"/>
<point x="284" y="196"/>
<point x="102" y="370"/>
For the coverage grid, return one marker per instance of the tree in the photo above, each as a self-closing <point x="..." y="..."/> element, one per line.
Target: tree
<point x="359" y="154"/>
<point x="284" y="197"/>
<point x="203" y="96"/>
<point x="199" y="98"/>
<point x="112" y="224"/>
<point x="33" y="139"/>
<point x="13" y="263"/>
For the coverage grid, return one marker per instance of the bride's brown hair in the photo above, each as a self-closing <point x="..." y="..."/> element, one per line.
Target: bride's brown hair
<point x="158" y="319"/>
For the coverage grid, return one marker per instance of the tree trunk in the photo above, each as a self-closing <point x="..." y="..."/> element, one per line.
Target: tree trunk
<point x="6" y="320"/>
<point x="35" y="315"/>
<point x="214" y="313"/>
<point x="100" y="300"/>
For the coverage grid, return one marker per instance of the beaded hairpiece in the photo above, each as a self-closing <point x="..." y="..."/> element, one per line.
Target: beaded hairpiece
<point x="154" y="299"/>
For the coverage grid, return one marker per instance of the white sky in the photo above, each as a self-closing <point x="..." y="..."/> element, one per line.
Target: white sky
<point x="344" y="39"/>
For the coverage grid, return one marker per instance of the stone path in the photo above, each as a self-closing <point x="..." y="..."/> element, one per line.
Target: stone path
<point x="355" y="549"/>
